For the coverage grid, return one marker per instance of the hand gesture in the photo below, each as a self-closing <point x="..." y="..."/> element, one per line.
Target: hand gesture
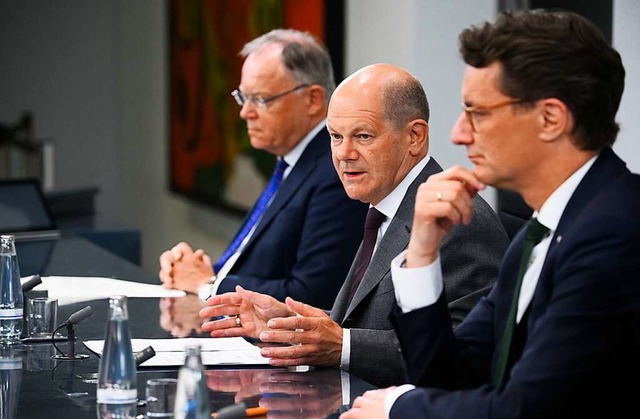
<point x="253" y="309"/>
<point x="316" y="339"/>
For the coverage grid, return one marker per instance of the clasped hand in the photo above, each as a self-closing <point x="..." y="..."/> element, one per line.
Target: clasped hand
<point x="314" y="338"/>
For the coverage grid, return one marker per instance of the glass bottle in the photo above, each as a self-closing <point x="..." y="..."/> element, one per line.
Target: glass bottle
<point x="10" y="380"/>
<point x="117" y="393"/>
<point x="11" y="300"/>
<point x="192" y="395"/>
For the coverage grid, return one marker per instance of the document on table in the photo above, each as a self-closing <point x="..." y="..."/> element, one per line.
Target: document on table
<point x="74" y="289"/>
<point x="214" y="351"/>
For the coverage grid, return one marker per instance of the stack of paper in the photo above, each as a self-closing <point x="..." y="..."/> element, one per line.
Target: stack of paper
<point x="170" y="352"/>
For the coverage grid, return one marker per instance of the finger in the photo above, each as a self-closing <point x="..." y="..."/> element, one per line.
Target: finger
<point x="207" y="260"/>
<point x="217" y="311"/>
<point x="303" y="309"/>
<point x="166" y="260"/>
<point x="228" y="298"/>
<point x="180" y="249"/>
<point x="298" y="352"/>
<point x="260" y="300"/>
<point x="462" y="175"/>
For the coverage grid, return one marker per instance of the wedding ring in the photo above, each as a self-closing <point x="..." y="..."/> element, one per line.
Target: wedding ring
<point x="238" y="324"/>
<point x="439" y="195"/>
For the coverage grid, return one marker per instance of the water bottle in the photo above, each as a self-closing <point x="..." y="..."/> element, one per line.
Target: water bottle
<point x="117" y="393"/>
<point x="192" y="394"/>
<point x="11" y="300"/>
<point x="10" y="380"/>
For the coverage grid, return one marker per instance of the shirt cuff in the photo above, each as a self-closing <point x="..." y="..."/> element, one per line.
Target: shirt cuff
<point x="393" y="395"/>
<point x="416" y="287"/>
<point x="346" y="349"/>
<point x="207" y="290"/>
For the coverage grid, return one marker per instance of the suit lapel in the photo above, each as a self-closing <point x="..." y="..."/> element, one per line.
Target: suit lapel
<point x="299" y="174"/>
<point x="394" y="241"/>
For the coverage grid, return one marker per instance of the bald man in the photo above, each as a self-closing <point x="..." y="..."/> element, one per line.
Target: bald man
<point x="378" y="123"/>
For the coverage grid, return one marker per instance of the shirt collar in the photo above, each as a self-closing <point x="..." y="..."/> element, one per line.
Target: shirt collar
<point x="390" y="204"/>
<point x="554" y="206"/>
<point x="293" y="156"/>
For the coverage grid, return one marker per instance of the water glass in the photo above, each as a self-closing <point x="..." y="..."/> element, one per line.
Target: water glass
<point x="41" y="316"/>
<point x="161" y="394"/>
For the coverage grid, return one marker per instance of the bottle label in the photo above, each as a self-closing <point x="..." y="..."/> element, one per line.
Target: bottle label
<point x="10" y="313"/>
<point x="10" y="363"/>
<point x="116" y="395"/>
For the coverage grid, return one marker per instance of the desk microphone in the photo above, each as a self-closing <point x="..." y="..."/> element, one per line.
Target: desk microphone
<point x="31" y="283"/>
<point x="75" y="318"/>
<point x="144" y="355"/>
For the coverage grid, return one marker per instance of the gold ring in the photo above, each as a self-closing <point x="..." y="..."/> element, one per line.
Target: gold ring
<point x="439" y="196"/>
<point x="238" y="324"/>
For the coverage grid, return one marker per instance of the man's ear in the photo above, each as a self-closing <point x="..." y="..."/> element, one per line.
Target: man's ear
<point x="418" y="131"/>
<point x="555" y="119"/>
<point x="315" y="99"/>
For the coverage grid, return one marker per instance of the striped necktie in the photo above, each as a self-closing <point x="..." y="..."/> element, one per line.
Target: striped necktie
<point x="256" y="213"/>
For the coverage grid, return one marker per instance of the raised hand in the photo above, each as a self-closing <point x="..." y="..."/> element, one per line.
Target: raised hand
<point x="252" y="308"/>
<point x="316" y="339"/>
<point x="442" y="202"/>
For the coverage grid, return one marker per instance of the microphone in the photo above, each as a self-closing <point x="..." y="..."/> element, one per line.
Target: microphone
<point x="75" y="318"/>
<point x="78" y="316"/>
<point x="32" y="283"/>
<point x="144" y="355"/>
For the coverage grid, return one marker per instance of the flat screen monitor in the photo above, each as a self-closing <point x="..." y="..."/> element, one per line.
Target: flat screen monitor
<point x="24" y="211"/>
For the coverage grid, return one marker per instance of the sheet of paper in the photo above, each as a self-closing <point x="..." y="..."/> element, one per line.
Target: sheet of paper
<point x="170" y="352"/>
<point x="179" y="345"/>
<point x="168" y="359"/>
<point x="74" y="289"/>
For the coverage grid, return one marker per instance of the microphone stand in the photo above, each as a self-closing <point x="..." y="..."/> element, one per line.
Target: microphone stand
<point x="71" y="354"/>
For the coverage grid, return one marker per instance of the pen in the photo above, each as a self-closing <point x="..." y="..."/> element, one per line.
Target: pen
<point x="238" y="411"/>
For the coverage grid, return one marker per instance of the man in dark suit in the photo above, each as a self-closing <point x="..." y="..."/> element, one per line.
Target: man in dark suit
<point x="303" y="243"/>
<point x="559" y="334"/>
<point x="378" y="122"/>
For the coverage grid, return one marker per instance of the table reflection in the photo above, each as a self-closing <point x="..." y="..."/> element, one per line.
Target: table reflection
<point x="313" y="394"/>
<point x="179" y="316"/>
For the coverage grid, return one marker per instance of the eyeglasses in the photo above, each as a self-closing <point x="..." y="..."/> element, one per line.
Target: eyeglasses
<point x="475" y="112"/>
<point x="261" y="101"/>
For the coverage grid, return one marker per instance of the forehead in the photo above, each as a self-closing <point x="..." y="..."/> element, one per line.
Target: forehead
<point x="481" y="85"/>
<point x="355" y="106"/>
<point x="263" y="69"/>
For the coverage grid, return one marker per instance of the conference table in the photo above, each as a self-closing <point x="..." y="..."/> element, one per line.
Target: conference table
<point x="33" y="385"/>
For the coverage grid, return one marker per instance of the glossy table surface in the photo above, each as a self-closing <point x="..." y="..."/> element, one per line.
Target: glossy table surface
<point x="33" y="385"/>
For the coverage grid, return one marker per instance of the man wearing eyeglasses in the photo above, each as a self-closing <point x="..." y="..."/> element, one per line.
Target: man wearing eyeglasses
<point x="303" y="232"/>
<point x="558" y="336"/>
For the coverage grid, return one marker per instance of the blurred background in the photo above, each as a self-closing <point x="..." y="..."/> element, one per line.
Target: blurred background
<point x="88" y="84"/>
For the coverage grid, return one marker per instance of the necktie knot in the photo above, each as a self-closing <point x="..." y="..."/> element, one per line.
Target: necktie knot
<point x="535" y="231"/>
<point x="278" y="171"/>
<point x="374" y="219"/>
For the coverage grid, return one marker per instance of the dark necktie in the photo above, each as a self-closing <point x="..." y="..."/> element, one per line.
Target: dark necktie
<point x="256" y="213"/>
<point x="373" y="222"/>
<point x="535" y="233"/>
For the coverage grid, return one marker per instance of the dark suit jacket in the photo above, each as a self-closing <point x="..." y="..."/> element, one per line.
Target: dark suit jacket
<point x="577" y="351"/>
<point x="470" y="259"/>
<point x="307" y="238"/>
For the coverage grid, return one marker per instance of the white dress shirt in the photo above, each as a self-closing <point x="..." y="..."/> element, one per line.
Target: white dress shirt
<point x="420" y="287"/>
